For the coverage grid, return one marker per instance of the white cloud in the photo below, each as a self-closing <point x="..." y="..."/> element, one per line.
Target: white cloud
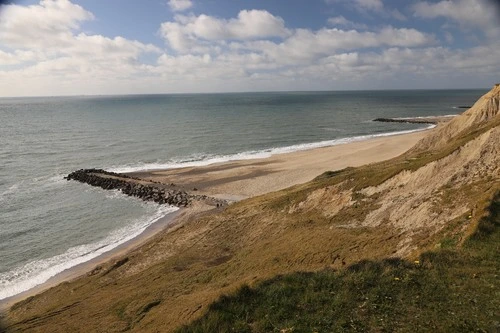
<point x="188" y="32"/>
<point x="321" y="59"/>
<point x="253" y="51"/>
<point x="306" y="45"/>
<point x="251" y="31"/>
<point x="20" y="56"/>
<point x="341" y="21"/>
<point x="475" y="13"/>
<point x="49" y="23"/>
<point x="397" y="15"/>
<point x="429" y="67"/>
<point x="52" y="33"/>
<point x="42" y="42"/>
<point x="440" y="60"/>
<point x="180" y="5"/>
<point x="361" y="5"/>
<point x="373" y="5"/>
<point x="448" y="37"/>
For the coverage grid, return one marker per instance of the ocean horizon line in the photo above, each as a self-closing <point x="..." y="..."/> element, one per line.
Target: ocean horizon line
<point x="242" y="92"/>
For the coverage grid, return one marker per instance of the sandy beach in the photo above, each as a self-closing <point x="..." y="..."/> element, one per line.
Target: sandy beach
<point x="242" y="179"/>
<point x="247" y="178"/>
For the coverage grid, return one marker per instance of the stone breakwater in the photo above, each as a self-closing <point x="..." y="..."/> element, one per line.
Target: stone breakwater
<point x="416" y="120"/>
<point x="408" y="121"/>
<point x="152" y="191"/>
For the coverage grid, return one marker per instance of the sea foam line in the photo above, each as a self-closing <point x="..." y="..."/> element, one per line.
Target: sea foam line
<point x="427" y="117"/>
<point x="37" y="272"/>
<point x="248" y="155"/>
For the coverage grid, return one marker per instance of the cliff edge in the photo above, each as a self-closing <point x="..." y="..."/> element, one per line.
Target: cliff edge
<point x="484" y="113"/>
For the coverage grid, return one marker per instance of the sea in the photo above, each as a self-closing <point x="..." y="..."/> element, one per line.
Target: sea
<point x="48" y="224"/>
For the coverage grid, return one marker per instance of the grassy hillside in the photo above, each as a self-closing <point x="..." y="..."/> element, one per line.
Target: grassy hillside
<point x="449" y="290"/>
<point x="433" y="196"/>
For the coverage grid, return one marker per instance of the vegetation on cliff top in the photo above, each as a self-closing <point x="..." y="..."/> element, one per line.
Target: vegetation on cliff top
<point x="448" y="290"/>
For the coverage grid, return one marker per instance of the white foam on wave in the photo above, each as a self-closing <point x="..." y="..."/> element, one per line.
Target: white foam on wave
<point x="332" y="129"/>
<point x="212" y="159"/>
<point x="10" y="191"/>
<point x="427" y="117"/>
<point x="37" y="272"/>
<point x="57" y="179"/>
<point x="116" y="194"/>
<point x="36" y="181"/>
<point x="31" y="185"/>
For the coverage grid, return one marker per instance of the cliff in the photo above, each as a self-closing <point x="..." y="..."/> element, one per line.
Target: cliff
<point x="483" y="114"/>
<point x="435" y="192"/>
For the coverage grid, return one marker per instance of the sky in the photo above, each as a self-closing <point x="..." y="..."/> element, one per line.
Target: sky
<point x="103" y="47"/>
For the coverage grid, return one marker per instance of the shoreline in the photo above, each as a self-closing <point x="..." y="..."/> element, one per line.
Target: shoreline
<point x="268" y="152"/>
<point x="241" y="179"/>
<point x="163" y="223"/>
<point x="236" y="180"/>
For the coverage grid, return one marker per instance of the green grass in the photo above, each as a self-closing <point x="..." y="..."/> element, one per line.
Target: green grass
<point x="448" y="290"/>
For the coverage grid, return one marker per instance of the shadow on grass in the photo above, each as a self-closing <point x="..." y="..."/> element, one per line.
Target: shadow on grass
<point x="487" y="226"/>
<point x="445" y="291"/>
<point x="3" y="327"/>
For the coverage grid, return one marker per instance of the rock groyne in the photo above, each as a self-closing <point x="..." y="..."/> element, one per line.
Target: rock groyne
<point x="152" y="191"/>
<point x="416" y="120"/>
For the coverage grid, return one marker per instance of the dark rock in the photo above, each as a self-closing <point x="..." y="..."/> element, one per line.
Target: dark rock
<point x="408" y="121"/>
<point x="124" y="183"/>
